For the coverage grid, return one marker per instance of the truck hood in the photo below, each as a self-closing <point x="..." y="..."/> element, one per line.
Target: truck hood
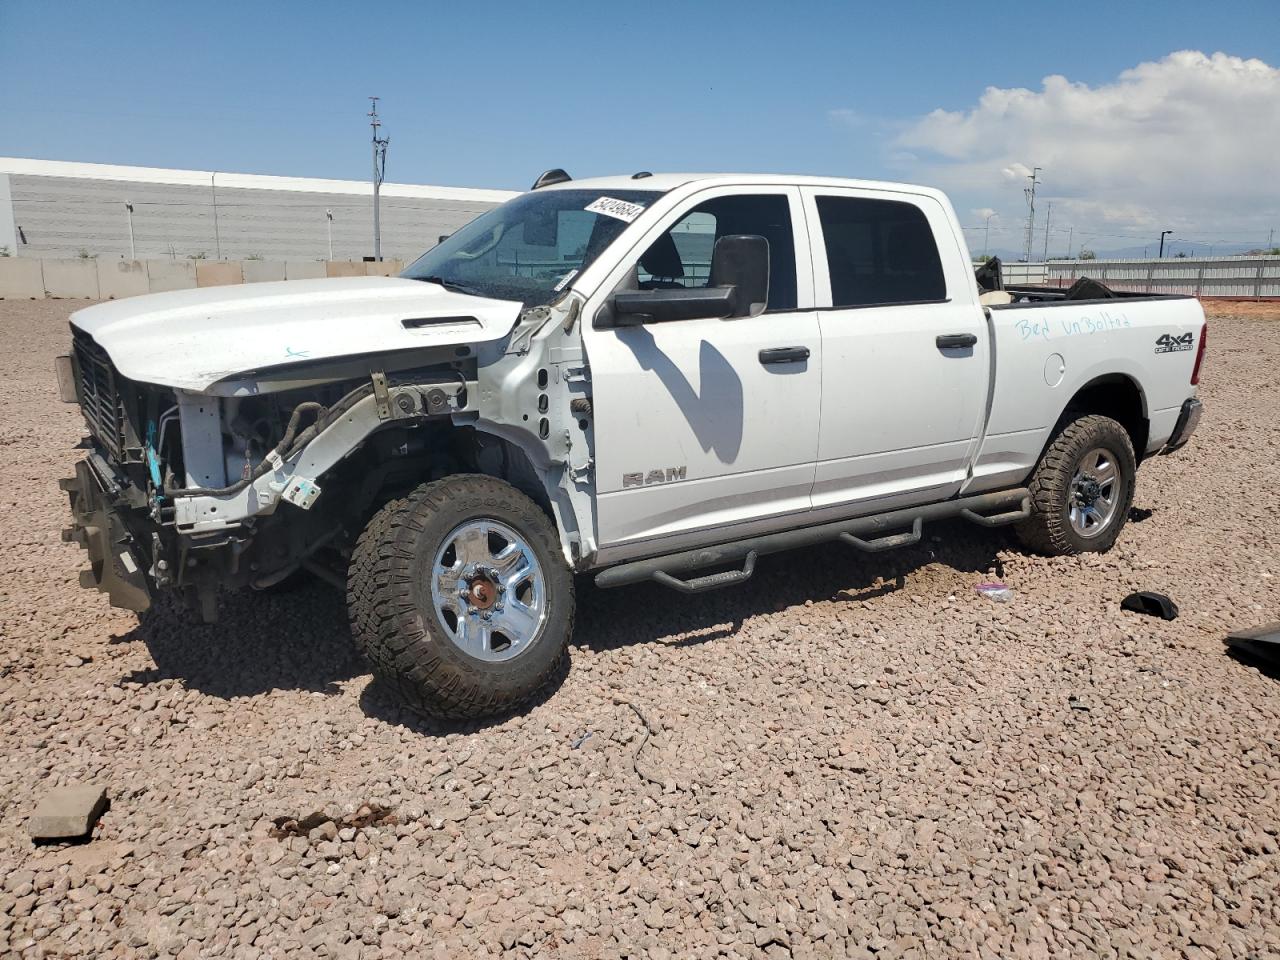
<point x="191" y="339"/>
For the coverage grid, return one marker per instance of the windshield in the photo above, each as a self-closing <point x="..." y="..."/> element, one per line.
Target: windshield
<point x="530" y="248"/>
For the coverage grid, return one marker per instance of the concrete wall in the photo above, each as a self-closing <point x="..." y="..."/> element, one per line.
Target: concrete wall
<point x="118" y="279"/>
<point x="305" y="270"/>
<point x="78" y="209"/>
<point x="262" y="271"/>
<point x="71" y="278"/>
<point x="22" y="278"/>
<point x="218" y="273"/>
<point x="165" y="275"/>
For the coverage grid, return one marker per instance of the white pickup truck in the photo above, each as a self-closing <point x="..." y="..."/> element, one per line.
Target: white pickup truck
<point x="651" y="377"/>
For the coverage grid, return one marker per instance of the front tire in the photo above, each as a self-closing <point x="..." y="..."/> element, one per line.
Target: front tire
<point x="460" y="598"/>
<point x="1081" y="490"/>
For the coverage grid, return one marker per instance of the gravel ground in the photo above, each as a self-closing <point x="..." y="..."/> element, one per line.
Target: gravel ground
<point x="847" y="757"/>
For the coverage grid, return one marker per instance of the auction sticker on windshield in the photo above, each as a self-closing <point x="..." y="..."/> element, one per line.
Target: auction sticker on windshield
<point x="620" y="209"/>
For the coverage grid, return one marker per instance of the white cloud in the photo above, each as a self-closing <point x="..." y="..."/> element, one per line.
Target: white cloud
<point x="1188" y="143"/>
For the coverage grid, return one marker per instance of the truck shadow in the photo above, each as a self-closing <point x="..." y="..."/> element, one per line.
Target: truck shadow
<point x="300" y="640"/>
<point x="652" y="614"/>
<point x="297" y="640"/>
<point x="649" y="613"/>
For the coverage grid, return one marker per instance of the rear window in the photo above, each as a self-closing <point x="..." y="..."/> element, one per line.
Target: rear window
<point x="879" y="252"/>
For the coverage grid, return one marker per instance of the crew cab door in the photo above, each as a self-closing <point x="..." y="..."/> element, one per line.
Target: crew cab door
<point x="905" y="349"/>
<point x="698" y="427"/>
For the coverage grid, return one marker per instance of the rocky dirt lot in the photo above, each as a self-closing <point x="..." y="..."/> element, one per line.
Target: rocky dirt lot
<point x="846" y="757"/>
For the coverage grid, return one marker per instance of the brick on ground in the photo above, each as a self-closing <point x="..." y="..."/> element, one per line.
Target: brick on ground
<point x="67" y="813"/>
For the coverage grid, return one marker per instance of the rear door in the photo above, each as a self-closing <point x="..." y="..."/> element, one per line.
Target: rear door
<point x="698" y="431"/>
<point x="905" y="349"/>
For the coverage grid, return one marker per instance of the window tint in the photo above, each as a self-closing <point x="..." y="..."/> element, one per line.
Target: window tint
<point x="681" y="257"/>
<point x="879" y="251"/>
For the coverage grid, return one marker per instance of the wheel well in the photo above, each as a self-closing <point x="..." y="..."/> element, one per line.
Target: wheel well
<point x="1118" y="397"/>
<point x="503" y="459"/>
<point x="395" y="460"/>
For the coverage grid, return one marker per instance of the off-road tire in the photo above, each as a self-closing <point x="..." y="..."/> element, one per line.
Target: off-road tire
<point x="393" y="620"/>
<point x="1048" y="530"/>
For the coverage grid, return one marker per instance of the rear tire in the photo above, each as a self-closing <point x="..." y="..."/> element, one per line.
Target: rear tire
<point x="1081" y="490"/>
<point x="460" y="598"/>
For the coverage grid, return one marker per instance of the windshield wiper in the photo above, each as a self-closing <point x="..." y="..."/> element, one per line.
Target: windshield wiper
<point x="449" y="284"/>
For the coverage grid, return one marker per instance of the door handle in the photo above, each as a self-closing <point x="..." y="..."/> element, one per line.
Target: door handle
<point x="948" y="341"/>
<point x="784" y="355"/>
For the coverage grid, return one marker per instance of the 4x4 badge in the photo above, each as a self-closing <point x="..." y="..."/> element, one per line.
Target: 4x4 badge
<point x="1168" y="343"/>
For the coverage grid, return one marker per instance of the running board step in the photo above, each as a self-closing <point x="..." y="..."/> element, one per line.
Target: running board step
<point x="1000" y="519"/>
<point x="887" y="543"/>
<point x="712" y="581"/>
<point x="865" y="533"/>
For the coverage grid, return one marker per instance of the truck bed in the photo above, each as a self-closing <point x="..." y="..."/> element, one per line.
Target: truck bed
<point x="1048" y="296"/>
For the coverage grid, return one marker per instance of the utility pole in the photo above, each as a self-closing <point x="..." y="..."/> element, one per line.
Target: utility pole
<point x="1163" y="234"/>
<point x="328" y="217"/>
<point x="1048" y="218"/>
<point x="217" y="236"/>
<point x="133" y="251"/>
<point x="379" y="170"/>
<point x="1070" y="234"/>
<point x="1030" y="193"/>
<point x="986" y="236"/>
<point x="1271" y="236"/>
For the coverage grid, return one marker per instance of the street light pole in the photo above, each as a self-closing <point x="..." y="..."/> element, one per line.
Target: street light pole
<point x="217" y="234"/>
<point x="133" y="251"/>
<point x="1163" y="234"/>
<point x="328" y="216"/>
<point x="986" y="235"/>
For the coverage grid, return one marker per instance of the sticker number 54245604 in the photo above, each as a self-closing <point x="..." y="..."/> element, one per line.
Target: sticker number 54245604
<point x="610" y="207"/>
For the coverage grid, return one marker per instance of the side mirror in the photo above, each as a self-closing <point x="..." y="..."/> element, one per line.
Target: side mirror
<point x="738" y="286"/>
<point x="660" y="306"/>
<point x="741" y="261"/>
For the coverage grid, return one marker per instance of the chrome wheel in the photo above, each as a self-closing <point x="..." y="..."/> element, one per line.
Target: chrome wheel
<point x="1096" y="491"/>
<point x="488" y="590"/>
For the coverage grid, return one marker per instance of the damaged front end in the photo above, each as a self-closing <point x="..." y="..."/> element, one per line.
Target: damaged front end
<point x="184" y="491"/>
<point x="218" y="462"/>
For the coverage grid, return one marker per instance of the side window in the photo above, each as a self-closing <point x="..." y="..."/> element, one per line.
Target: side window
<point x="681" y="257"/>
<point x="879" y="252"/>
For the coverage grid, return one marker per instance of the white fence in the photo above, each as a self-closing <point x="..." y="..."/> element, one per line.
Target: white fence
<point x="1236" y="277"/>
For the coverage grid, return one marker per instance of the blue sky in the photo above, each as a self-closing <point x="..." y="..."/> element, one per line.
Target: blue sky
<point x="490" y="94"/>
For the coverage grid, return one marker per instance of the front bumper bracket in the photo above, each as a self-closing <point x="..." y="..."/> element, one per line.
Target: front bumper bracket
<point x="115" y="564"/>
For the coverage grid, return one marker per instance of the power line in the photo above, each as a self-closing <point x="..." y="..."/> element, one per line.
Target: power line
<point x="1031" y="216"/>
